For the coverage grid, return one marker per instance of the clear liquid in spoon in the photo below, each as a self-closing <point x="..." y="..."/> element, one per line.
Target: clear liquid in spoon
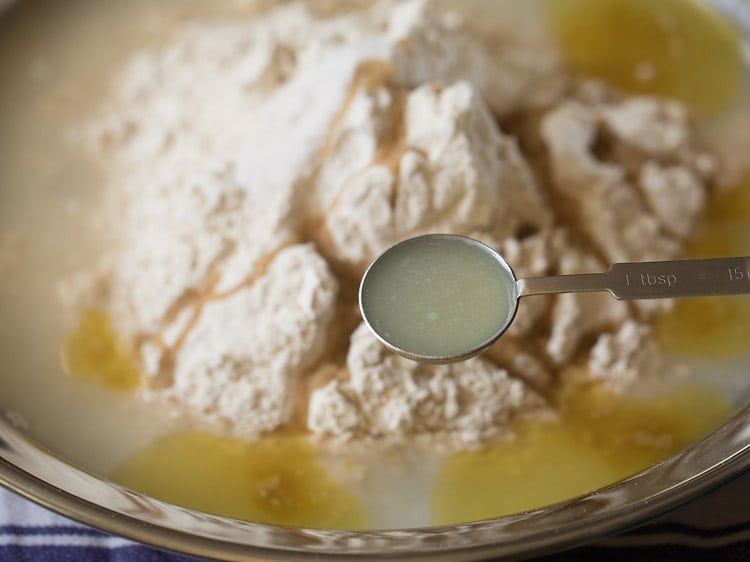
<point x="438" y="298"/>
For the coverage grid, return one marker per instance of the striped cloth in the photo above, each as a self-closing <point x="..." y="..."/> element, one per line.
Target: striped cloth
<point x="713" y="528"/>
<point x="29" y="533"/>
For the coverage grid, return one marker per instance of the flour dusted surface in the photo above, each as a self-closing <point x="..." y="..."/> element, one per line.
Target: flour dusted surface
<point x="257" y="167"/>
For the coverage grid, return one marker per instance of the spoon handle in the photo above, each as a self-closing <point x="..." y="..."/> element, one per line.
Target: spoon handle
<point x="652" y="280"/>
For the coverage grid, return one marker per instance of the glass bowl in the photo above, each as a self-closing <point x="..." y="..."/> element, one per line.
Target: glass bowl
<point x="37" y="473"/>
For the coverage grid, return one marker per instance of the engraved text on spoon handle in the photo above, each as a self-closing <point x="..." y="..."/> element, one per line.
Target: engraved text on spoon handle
<point x="680" y="278"/>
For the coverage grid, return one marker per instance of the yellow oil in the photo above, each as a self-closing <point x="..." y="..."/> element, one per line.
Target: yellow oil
<point x="93" y="352"/>
<point x="714" y="327"/>
<point x="277" y="480"/>
<point x="599" y="439"/>
<point x="674" y="48"/>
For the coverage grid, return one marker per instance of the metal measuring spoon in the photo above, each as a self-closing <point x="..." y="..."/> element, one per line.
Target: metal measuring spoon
<point x="441" y="298"/>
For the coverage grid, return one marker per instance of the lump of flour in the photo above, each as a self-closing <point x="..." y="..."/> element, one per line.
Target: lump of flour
<point x="240" y="360"/>
<point x="623" y="358"/>
<point x="623" y="164"/>
<point x="509" y="69"/>
<point x="389" y="396"/>
<point x="573" y="316"/>
<point x="404" y="163"/>
<point x="256" y="167"/>
<point x="632" y="174"/>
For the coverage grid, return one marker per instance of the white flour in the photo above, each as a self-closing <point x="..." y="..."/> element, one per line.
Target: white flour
<point x="249" y="161"/>
<point x="389" y="396"/>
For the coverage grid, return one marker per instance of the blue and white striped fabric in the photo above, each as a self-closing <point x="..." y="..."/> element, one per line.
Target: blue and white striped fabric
<point x="714" y="528"/>
<point x="29" y="533"/>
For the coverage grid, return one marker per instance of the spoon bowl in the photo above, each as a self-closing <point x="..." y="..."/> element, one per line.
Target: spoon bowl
<point x="439" y="298"/>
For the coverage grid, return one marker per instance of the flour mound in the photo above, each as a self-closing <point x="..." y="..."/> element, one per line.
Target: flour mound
<point x="255" y="168"/>
<point x="240" y="361"/>
<point x="387" y="395"/>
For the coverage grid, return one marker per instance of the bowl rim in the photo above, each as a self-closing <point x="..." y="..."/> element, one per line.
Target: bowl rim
<point x="31" y="471"/>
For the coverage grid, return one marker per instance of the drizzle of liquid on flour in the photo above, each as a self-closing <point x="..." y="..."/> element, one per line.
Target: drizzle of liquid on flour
<point x="277" y="480"/>
<point x="599" y="439"/>
<point x="94" y="352"/>
<point x="714" y="327"/>
<point x="673" y="48"/>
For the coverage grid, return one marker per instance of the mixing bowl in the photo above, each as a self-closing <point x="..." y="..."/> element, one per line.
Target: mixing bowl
<point x="31" y="466"/>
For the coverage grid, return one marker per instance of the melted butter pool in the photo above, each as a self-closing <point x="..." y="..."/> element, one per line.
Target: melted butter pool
<point x="93" y="351"/>
<point x="674" y="48"/>
<point x="277" y="480"/>
<point x="710" y="327"/>
<point x="599" y="439"/>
